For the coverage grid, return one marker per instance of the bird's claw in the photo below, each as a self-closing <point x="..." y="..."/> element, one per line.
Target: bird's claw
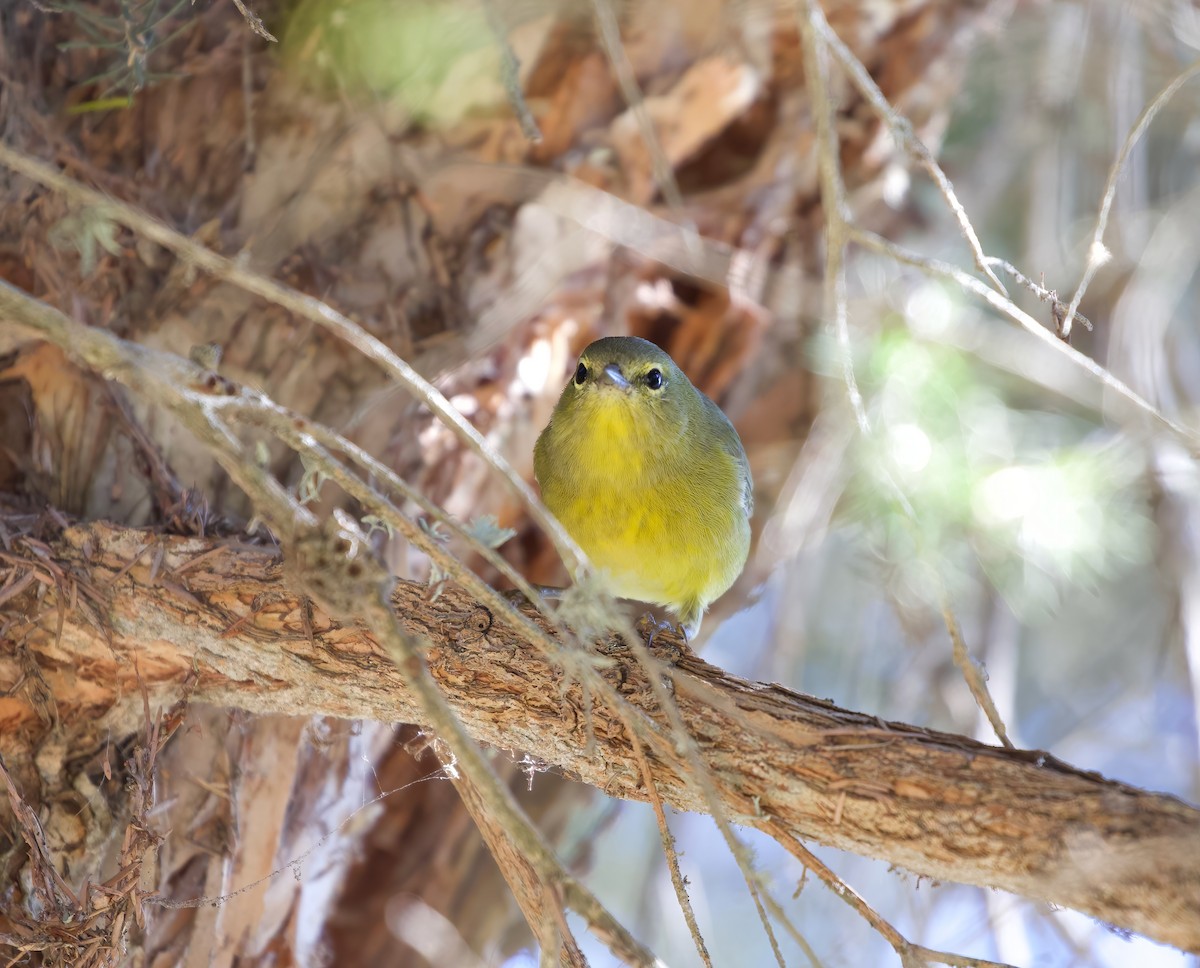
<point x="652" y="628"/>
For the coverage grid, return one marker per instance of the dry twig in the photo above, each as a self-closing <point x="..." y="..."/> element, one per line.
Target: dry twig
<point x="935" y="268"/>
<point x="1097" y="254"/>
<point x="902" y="129"/>
<point x="815" y="33"/>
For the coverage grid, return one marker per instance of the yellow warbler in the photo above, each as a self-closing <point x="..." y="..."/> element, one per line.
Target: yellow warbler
<point x="649" y="477"/>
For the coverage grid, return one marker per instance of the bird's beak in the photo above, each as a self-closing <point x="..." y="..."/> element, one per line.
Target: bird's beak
<point x="613" y="376"/>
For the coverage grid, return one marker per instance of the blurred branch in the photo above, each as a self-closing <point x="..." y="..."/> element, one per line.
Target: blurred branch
<point x="815" y="34"/>
<point x="127" y="38"/>
<point x="840" y="221"/>
<point x="610" y="39"/>
<point x="254" y="21"/>
<point x="810" y="19"/>
<point x="902" y="130"/>
<point x="510" y="73"/>
<point x="309" y="308"/>
<point x="1097" y="254"/>
<point x="1006" y="307"/>
<point x="833" y="193"/>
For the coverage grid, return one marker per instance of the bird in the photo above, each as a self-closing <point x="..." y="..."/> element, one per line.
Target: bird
<point x="650" y="479"/>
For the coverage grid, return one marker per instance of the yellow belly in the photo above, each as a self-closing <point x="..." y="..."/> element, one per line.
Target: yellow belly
<point x="679" y="542"/>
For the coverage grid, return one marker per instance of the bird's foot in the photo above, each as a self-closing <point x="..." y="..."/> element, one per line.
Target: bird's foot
<point x="671" y="646"/>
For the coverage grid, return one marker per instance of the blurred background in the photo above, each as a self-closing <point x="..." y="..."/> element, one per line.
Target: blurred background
<point x="374" y="154"/>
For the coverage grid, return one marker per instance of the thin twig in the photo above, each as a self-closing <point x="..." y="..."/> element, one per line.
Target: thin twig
<point x="700" y="776"/>
<point x="1057" y="307"/>
<point x="668" y="842"/>
<point x="610" y="39"/>
<point x="944" y="270"/>
<point x="510" y="73"/>
<point x="303" y="434"/>
<point x="815" y="35"/>
<point x="250" y="149"/>
<point x="902" y="128"/>
<point x="833" y="195"/>
<point x="973" y="675"/>
<point x="911" y="955"/>
<point x="1097" y="254"/>
<point x="254" y="21"/>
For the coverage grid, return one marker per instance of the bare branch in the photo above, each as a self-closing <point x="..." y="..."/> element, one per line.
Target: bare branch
<point x="815" y="33"/>
<point x="1097" y="254"/>
<point x="973" y="675"/>
<point x="254" y="21"/>
<point x="1057" y="307"/>
<point x="902" y="129"/>
<point x="944" y="270"/>
<point x="668" y="845"/>
<point x="944" y="806"/>
<point x="510" y="73"/>
<point x="911" y="955"/>
<point x="610" y="39"/>
<point x="833" y="194"/>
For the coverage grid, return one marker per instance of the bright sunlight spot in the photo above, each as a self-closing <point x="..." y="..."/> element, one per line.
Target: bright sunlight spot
<point x="929" y="310"/>
<point x="910" y="448"/>
<point x="1007" y="495"/>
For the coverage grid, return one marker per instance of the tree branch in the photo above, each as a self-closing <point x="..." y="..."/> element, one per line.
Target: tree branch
<point x="943" y="806"/>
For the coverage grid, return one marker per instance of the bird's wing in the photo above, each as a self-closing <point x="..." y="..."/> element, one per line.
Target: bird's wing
<point x="733" y="446"/>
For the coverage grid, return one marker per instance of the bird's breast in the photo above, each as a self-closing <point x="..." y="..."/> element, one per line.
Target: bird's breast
<point x="661" y="532"/>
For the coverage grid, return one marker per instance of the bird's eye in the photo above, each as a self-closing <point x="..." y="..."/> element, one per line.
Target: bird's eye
<point x="654" y="379"/>
<point x="581" y="372"/>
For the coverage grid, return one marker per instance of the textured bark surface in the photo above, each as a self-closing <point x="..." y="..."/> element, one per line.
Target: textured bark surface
<point x="215" y="622"/>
